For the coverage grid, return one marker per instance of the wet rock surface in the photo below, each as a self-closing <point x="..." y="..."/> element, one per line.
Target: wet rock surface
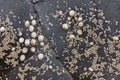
<point x="59" y="40"/>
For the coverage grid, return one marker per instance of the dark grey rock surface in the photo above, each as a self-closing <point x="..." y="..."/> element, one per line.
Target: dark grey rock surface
<point x="65" y="65"/>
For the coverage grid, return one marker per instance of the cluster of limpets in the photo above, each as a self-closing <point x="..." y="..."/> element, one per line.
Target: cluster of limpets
<point x="71" y="19"/>
<point x="94" y="37"/>
<point x="35" y="39"/>
<point x="16" y="46"/>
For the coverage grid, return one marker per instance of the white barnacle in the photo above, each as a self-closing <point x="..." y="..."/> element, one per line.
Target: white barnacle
<point x="41" y="38"/>
<point x="91" y="43"/>
<point x="35" y="1"/>
<point x="31" y="28"/>
<point x="2" y="29"/>
<point x="33" y="49"/>
<point x="42" y="44"/>
<point x="60" y="13"/>
<point x="50" y="67"/>
<point x="33" y="42"/>
<point x="27" y="42"/>
<point x="20" y="33"/>
<point x="34" y="22"/>
<point x="115" y="38"/>
<point x="80" y="19"/>
<point x="71" y="36"/>
<point x="24" y="50"/>
<point x="79" y="32"/>
<point x="27" y="23"/>
<point x="40" y="56"/>
<point x="33" y="34"/>
<point x="31" y="17"/>
<point x="13" y="49"/>
<point x="90" y="69"/>
<point x="65" y="26"/>
<point x="72" y="13"/>
<point x="80" y="24"/>
<point x="21" y="40"/>
<point x="68" y="18"/>
<point x="22" y="57"/>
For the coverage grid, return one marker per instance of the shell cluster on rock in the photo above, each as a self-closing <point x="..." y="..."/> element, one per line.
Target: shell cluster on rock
<point x="51" y="41"/>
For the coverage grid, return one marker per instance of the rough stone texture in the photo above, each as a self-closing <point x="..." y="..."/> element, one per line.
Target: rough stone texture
<point x="80" y="62"/>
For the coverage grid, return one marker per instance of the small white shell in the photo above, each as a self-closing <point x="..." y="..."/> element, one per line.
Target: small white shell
<point x="69" y="18"/>
<point x="65" y="26"/>
<point x="2" y="29"/>
<point x="50" y="67"/>
<point x="79" y="32"/>
<point x="27" y="42"/>
<point x="33" y="49"/>
<point x="13" y="49"/>
<point x="60" y="13"/>
<point x="80" y="19"/>
<point x="31" y="17"/>
<point x="40" y="56"/>
<point x="72" y="36"/>
<point x="34" y="22"/>
<point x="20" y="33"/>
<point x="42" y="44"/>
<point x="33" y="42"/>
<point x="41" y="38"/>
<point x="21" y="40"/>
<point x="72" y="13"/>
<point x="27" y="23"/>
<point x="90" y="69"/>
<point x="91" y="43"/>
<point x="31" y="28"/>
<point x="24" y="50"/>
<point x="22" y="57"/>
<point x="80" y="24"/>
<point x="115" y="38"/>
<point x="33" y="34"/>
